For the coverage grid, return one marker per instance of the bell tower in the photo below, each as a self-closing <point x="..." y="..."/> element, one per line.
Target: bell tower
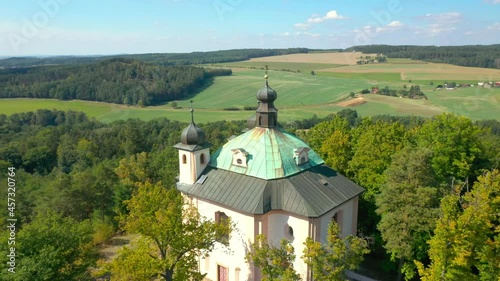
<point x="194" y="153"/>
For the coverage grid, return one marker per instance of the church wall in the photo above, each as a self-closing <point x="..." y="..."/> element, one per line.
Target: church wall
<point x="233" y="258"/>
<point x="277" y="229"/>
<point x="185" y="161"/>
<point x="346" y="217"/>
<point x="198" y="165"/>
<point x="186" y="173"/>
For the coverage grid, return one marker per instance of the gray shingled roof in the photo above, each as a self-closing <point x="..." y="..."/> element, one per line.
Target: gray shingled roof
<point x="310" y="193"/>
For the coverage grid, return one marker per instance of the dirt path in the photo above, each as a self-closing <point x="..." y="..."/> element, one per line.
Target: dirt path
<point x="109" y="251"/>
<point x="352" y="102"/>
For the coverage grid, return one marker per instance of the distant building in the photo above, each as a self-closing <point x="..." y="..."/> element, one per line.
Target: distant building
<point x="267" y="181"/>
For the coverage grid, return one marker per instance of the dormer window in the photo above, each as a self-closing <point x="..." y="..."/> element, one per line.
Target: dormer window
<point x="301" y="155"/>
<point x="240" y="157"/>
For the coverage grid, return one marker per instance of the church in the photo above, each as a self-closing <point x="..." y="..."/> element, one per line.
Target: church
<point x="267" y="181"/>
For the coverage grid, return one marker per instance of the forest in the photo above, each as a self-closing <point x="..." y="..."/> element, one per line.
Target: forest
<point x="430" y="208"/>
<point x="472" y="55"/>
<point x="122" y="81"/>
<point x="161" y="58"/>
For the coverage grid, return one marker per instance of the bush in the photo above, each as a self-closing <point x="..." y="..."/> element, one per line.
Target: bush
<point x="232" y="108"/>
<point x="249" y="107"/>
<point x="103" y="231"/>
<point x="365" y="91"/>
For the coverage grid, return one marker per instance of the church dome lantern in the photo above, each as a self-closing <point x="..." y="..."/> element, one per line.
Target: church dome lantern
<point x="267" y="114"/>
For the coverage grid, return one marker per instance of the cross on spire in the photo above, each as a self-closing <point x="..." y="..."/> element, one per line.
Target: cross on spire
<point x="192" y="112"/>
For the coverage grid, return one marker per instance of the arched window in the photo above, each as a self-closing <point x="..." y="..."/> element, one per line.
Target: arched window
<point x="184" y="159"/>
<point x="202" y="158"/>
<point x="338" y="219"/>
<point x="221" y="217"/>
<point x="288" y="232"/>
<point x="240" y="157"/>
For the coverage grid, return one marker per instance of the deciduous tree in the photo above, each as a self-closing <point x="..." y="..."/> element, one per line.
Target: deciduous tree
<point x="172" y="233"/>
<point x="275" y="263"/>
<point x="466" y="241"/>
<point x="330" y="261"/>
<point x="408" y="206"/>
<point x="53" y="248"/>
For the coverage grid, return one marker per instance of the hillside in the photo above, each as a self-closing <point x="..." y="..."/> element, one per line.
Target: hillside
<point x="472" y="55"/>
<point x="122" y="81"/>
<point x="160" y="58"/>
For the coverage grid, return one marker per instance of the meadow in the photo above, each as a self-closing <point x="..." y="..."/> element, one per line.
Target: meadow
<point x="301" y="94"/>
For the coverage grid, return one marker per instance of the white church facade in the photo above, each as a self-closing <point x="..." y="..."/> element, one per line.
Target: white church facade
<point x="268" y="182"/>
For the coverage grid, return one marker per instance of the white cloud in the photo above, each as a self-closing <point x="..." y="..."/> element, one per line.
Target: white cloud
<point x="371" y="30"/>
<point x="331" y="15"/>
<point x="444" y="18"/>
<point x="495" y="26"/>
<point x="492" y="2"/>
<point x="438" y="24"/>
<point x="433" y="30"/>
<point x="301" y="25"/>
<point x="395" y="23"/>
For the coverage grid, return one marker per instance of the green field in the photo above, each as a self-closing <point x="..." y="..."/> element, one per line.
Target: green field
<point x="294" y="89"/>
<point x="303" y="67"/>
<point x="476" y="103"/>
<point x="300" y="95"/>
<point x="373" y="77"/>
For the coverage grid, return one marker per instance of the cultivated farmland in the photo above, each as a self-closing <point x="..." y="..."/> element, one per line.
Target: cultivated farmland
<point x="327" y="58"/>
<point x="301" y="94"/>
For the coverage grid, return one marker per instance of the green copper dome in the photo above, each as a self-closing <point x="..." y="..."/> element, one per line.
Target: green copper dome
<point x="266" y="153"/>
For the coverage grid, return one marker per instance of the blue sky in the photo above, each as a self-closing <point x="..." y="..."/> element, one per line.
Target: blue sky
<point x="78" y="27"/>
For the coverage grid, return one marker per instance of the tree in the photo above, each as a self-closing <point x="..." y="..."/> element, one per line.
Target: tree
<point x="373" y="146"/>
<point x="53" y="248"/>
<point x="466" y="241"/>
<point x="275" y="263"/>
<point x="171" y="232"/>
<point x="332" y="140"/>
<point x="408" y="207"/>
<point x="329" y="262"/>
<point x="456" y="146"/>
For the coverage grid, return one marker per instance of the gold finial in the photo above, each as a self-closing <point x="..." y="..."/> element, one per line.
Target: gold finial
<point x="266" y="76"/>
